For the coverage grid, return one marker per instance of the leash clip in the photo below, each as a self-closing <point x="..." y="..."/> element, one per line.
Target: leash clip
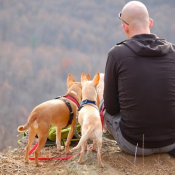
<point x="85" y="101"/>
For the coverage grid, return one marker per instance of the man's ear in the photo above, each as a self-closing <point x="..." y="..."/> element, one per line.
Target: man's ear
<point x="70" y="80"/>
<point x="83" y="77"/>
<point x="96" y="79"/>
<point x="88" y="76"/>
<point x="125" y="28"/>
<point x="150" y="23"/>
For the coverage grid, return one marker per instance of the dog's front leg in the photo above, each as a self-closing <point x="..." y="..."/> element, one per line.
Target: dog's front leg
<point x="58" y="139"/>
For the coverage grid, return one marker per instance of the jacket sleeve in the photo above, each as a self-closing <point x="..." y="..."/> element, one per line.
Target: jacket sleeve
<point x="111" y="99"/>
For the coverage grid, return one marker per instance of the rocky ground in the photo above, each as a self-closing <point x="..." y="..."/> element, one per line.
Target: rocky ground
<point x="115" y="161"/>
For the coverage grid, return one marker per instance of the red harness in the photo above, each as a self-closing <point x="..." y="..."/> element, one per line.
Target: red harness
<point x="73" y="99"/>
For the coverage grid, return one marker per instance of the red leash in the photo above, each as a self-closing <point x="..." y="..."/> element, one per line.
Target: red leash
<point x="48" y="158"/>
<point x="33" y="149"/>
<point x="52" y="158"/>
<point x="101" y="115"/>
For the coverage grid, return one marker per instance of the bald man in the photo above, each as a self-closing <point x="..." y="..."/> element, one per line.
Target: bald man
<point x="139" y="90"/>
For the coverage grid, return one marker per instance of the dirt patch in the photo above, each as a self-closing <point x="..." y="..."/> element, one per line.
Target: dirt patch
<point x="115" y="162"/>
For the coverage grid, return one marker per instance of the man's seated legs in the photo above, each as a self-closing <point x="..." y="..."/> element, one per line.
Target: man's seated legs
<point x="112" y="125"/>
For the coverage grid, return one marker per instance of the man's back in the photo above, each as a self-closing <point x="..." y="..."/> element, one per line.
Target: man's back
<point x="143" y="70"/>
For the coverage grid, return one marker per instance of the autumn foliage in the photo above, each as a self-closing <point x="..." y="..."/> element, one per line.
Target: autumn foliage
<point x="42" y="41"/>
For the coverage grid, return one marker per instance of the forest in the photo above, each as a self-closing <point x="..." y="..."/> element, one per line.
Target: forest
<point x="42" y="41"/>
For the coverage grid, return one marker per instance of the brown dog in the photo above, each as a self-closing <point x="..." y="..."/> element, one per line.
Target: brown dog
<point x="54" y="112"/>
<point x="89" y="117"/>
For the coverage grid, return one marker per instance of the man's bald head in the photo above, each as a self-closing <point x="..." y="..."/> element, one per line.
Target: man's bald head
<point x="136" y="15"/>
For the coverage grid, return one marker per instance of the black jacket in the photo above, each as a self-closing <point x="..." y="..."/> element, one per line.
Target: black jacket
<point x="140" y="83"/>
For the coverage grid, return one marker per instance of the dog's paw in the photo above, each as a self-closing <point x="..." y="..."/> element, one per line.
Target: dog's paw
<point x="72" y="150"/>
<point x="60" y="148"/>
<point x="101" y="165"/>
<point x="39" y="164"/>
<point x="26" y="162"/>
<point x="68" y="151"/>
<point x="79" y="161"/>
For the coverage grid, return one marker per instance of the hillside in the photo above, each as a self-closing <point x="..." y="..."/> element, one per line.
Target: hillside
<point x="115" y="163"/>
<point x="42" y="41"/>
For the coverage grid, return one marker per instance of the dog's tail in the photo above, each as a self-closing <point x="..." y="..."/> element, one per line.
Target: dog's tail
<point x="31" y="119"/>
<point x="84" y="138"/>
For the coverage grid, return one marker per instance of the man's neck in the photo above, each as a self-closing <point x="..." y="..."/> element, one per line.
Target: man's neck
<point x="131" y="34"/>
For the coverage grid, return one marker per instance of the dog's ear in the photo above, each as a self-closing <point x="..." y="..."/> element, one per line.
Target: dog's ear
<point x="83" y="77"/>
<point x="96" y="79"/>
<point x="70" y="79"/>
<point x="88" y="76"/>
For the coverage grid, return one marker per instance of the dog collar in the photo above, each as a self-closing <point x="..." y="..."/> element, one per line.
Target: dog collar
<point x="87" y="101"/>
